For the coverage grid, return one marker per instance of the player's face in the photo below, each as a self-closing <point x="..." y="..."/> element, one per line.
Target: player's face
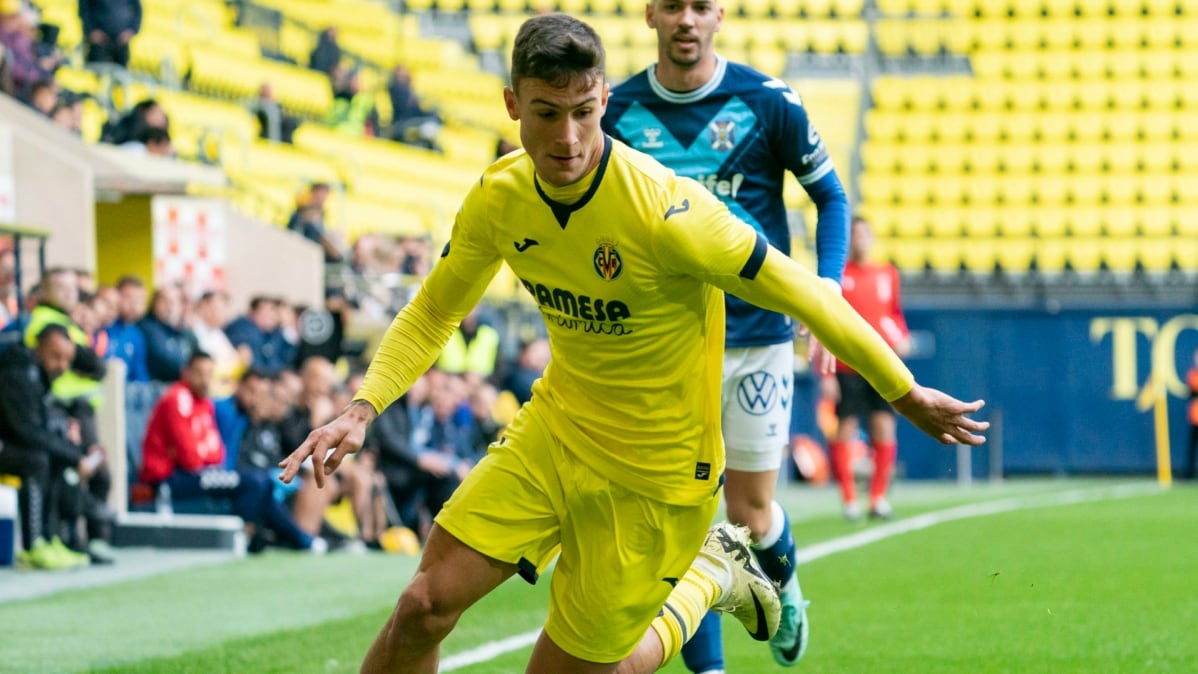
<point x="559" y="126"/>
<point x="685" y="29"/>
<point x="862" y="240"/>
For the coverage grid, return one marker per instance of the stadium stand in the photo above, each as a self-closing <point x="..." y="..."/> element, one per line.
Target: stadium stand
<point x="1068" y="132"/>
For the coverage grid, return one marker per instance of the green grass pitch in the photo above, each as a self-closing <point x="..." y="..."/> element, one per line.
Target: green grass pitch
<point x="1101" y="586"/>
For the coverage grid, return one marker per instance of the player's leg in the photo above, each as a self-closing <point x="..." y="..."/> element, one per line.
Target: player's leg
<point x="722" y="577"/>
<point x="452" y="576"/>
<point x="628" y="562"/>
<point x="758" y="387"/>
<point x="503" y="519"/>
<point x="882" y="437"/>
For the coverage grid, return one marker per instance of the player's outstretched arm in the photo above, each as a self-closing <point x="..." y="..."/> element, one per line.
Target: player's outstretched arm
<point x="942" y="416"/>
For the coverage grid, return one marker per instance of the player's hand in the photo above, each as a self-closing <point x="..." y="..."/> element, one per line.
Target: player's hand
<point x="829" y="388"/>
<point x="942" y="416"/>
<point x="344" y="435"/>
<point x="821" y="359"/>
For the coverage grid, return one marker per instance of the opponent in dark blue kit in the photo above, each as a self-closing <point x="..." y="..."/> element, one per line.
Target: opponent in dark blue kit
<point x="738" y="132"/>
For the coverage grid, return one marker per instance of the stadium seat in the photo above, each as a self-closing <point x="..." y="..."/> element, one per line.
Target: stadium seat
<point x="1051" y="255"/>
<point x="1085" y="255"/>
<point x="1015" y="254"/>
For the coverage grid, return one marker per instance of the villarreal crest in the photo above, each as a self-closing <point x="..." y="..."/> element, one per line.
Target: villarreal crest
<point x="607" y="261"/>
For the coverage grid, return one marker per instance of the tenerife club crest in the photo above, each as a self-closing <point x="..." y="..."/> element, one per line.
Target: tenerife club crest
<point x="723" y="135"/>
<point x="608" y="263"/>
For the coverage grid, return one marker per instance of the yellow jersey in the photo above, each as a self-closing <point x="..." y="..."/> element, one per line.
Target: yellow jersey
<point x="627" y="266"/>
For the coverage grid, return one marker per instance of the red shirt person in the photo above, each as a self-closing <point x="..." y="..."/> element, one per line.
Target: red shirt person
<point x="872" y="288"/>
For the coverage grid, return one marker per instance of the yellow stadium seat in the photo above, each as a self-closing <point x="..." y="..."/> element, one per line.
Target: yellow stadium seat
<point x="1015" y="254"/>
<point x="1051" y="255"/>
<point x="847" y="8"/>
<point x="161" y="56"/>
<point x="1156" y="221"/>
<point x="1155" y="254"/>
<point x="1085" y="221"/>
<point x="944" y="255"/>
<point x="882" y="126"/>
<point x="908" y="255"/>
<point x="1119" y="221"/>
<point x="982" y="222"/>
<point x="1119" y="254"/>
<point x="1051" y="221"/>
<point x="1085" y="255"/>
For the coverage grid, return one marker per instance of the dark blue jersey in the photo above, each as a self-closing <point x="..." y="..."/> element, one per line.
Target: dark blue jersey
<point x="738" y="135"/>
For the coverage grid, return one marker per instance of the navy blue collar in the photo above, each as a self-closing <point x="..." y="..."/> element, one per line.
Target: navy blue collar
<point x="562" y="211"/>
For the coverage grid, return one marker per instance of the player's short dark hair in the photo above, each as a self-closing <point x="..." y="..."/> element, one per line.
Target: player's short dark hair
<point x="557" y="48"/>
<point x="152" y="135"/>
<point x="52" y="330"/>
<point x="196" y="356"/>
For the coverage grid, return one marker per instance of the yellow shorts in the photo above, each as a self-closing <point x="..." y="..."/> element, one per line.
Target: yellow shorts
<point x="621" y="552"/>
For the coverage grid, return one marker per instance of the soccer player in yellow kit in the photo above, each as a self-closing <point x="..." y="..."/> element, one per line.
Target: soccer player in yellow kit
<point x="617" y="460"/>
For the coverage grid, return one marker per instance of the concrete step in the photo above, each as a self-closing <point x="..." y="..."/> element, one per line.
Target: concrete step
<point x="194" y="532"/>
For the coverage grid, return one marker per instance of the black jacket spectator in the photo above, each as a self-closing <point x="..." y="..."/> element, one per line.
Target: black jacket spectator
<point x="327" y="54"/>
<point x="167" y="348"/>
<point x="108" y="26"/>
<point x="30" y="447"/>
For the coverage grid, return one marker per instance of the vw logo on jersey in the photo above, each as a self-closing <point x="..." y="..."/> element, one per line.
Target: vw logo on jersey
<point x="757" y="393"/>
<point x="607" y="261"/>
<point x="723" y="135"/>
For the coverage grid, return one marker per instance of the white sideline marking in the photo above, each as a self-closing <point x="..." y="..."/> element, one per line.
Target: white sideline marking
<point x="810" y="553"/>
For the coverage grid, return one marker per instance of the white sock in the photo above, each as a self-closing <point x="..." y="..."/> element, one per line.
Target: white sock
<point x="777" y="517"/>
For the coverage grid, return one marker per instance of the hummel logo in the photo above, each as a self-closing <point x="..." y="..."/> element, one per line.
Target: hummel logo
<point x="675" y="210"/>
<point x="524" y="245"/>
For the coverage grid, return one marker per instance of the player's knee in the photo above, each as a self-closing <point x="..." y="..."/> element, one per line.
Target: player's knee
<point x="422" y="615"/>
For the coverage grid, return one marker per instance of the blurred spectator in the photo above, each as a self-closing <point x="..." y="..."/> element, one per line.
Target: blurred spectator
<point x="43" y="96"/>
<point x="169" y="343"/>
<point x="18" y="36"/>
<point x="308" y="220"/>
<point x="86" y="318"/>
<point x="108" y="27"/>
<point x="125" y="339"/>
<point x="8" y="287"/>
<point x="414" y="251"/>
<point x="472" y="349"/>
<point x="58" y="296"/>
<point x="444" y="450"/>
<point x="503" y="147"/>
<point x="484" y="428"/>
<point x="86" y="281"/>
<point x="183" y="450"/>
<point x="326" y="56"/>
<point x="102" y="314"/>
<point x="32" y="450"/>
<point x="1192" y="409"/>
<point x="530" y="365"/>
<point x="147" y="113"/>
<point x="353" y="112"/>
<point x="233" y="413"/>
<point x="268" y="110"/>
<point x="68" y="113"/>
<point x="410" y="121"/>
<point x="391" y="437"/>
<point x="212" y="315"/>
<point x="6" y="85"/>
<point x="322" y="329"/>
<point x="151" y="140"/>
<point x="258" y="337"/>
